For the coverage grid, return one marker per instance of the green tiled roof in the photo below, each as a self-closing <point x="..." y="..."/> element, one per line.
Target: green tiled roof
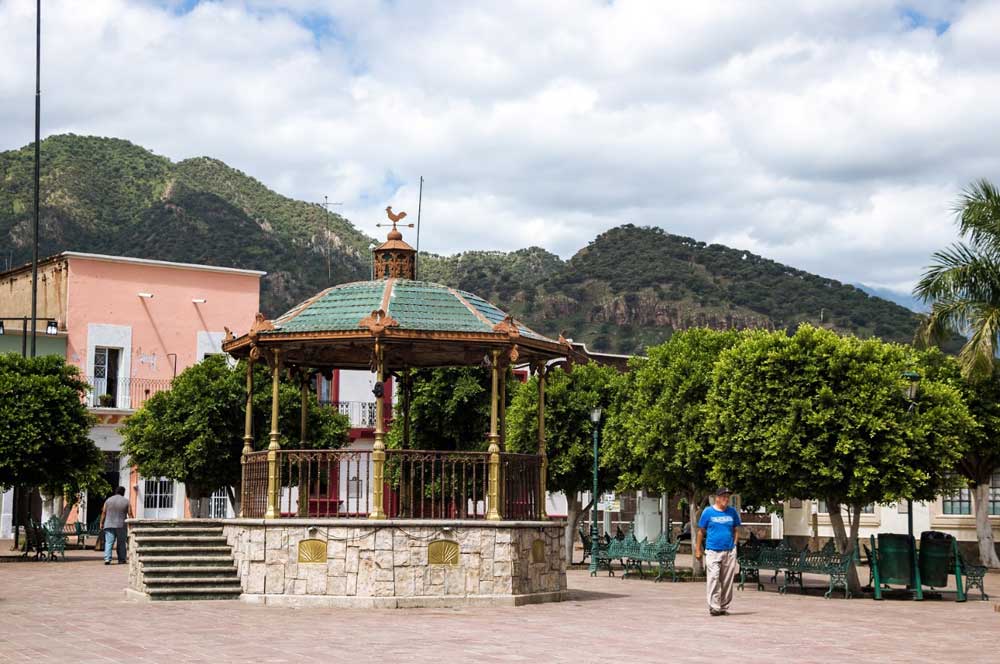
<point x="415" y="305"/>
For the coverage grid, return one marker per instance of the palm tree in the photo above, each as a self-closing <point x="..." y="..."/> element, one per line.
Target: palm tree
<point x="963" y="287"/>
<point x="963" y="283"/>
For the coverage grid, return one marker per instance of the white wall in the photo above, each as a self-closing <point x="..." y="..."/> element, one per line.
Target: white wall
<point x="6" y="514"/>
<point x="356" y="386"/>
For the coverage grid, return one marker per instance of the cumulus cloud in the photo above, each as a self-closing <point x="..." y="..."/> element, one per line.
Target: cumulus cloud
<point x="833" y="136"/>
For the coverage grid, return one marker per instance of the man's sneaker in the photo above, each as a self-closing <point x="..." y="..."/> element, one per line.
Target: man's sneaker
<point x="107" y="562"/>
<point x="724" y="612"/>
<point x="713" y="612"/>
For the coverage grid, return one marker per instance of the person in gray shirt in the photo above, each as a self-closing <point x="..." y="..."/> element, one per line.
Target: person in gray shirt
<point x="116" y="510"/>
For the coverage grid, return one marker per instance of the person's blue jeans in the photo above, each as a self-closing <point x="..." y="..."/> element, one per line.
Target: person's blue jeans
<point x="111" y="535"/>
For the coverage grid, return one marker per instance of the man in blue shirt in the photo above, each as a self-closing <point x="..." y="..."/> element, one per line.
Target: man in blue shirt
<point x="717" y="533"/>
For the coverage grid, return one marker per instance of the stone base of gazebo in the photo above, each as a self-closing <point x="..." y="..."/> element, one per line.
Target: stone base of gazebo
<point x="361" y="563"/>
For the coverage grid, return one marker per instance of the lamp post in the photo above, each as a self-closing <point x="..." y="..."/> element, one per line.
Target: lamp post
<point x="912" y="379"/>
<point x="595" y="419"/>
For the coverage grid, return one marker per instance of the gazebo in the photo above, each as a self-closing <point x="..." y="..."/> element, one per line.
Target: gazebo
<point x="413" y="527"/>
<point x="394" y="324"/>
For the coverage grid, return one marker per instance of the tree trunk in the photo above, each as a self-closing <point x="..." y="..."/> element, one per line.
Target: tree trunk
<point x="694" y="513"/>
<point x="572" y="518"/>
<point x="842" y="540"/>
<point x="984" y="529"/>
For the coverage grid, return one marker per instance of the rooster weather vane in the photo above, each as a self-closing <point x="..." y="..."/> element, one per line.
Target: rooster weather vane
<point x="395" y="218"/>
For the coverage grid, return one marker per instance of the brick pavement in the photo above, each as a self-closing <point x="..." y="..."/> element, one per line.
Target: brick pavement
<point x="75" y="611"/>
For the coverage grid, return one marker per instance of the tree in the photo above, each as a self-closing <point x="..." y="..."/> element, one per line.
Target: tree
<point x="982" y="457"/>
<point x="44" y="440"/>
<point x="193" y="432"/>
<point x="569" y="398"/>
<point x="816" y="415"/>
<point x="657" y="430"/>
<point x="963" y="283"/>
<point x="449" y="409"/>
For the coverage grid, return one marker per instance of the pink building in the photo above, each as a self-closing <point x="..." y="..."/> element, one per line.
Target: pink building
<point x="130" y="325"/>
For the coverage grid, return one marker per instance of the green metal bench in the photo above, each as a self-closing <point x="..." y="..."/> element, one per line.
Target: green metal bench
<point x="662" y="552"/>
<point x="974" y="575"/>
<point x="55" y="537"/>
<point x="787" y="561"/>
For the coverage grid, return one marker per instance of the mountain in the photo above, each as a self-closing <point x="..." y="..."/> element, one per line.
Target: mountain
<point x="630" y="287"/>
<point x="110" y="196"/>
<point x="902" y="299"/>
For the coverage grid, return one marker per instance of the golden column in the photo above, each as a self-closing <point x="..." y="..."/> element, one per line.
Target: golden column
<point x="493" y="499"/>
<point x="304" y="413"/>
<point x="543" y="468"/>
<point x="273" y="483"/>
<point x="378" y="451"/>
<point x="247" y="432"/>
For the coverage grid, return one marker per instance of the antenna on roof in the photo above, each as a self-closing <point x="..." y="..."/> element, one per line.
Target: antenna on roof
<point x="420" y="202"/>
<point x="326" y="206"/>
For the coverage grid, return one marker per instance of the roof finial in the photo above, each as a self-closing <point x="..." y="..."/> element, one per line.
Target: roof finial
<point x="395" y="218"/>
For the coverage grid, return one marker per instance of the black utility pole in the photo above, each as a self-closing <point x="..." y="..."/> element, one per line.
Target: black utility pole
<point x="38" y="152"/>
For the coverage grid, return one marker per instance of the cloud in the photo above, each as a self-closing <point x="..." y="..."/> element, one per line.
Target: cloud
<point x="833" y="136"/>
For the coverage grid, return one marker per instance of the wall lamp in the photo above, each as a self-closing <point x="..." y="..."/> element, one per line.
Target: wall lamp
<point x="146" y="296"/>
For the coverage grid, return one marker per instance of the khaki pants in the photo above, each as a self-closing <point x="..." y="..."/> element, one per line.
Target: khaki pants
<point x="720" y="570"/>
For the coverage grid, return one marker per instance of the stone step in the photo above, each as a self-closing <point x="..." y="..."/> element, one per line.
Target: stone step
<point x="184" y="550"/>
<point x="186" y="561"/>
<point x="187" y="532"/>
<point x="180" y="540"/>
<point x="216" y="581"/>
<point x="194" y="592"/>
<point x="157" y="571"/>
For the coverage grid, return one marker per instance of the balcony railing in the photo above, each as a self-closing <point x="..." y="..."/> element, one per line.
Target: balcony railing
<point x="123" y="393"/>
<point x="418" y="484"/>
<point x="360" y="413"/>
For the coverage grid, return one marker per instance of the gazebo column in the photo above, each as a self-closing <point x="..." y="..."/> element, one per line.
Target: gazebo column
<point x="378" y="450"/>
<point x="493" y="499"/>
<point x="304" y="412"/>
<point x="543" y="467"/>
<point x="247" y="434"/>
<point x="503" y="408"/>
<point x="273" y="483"/>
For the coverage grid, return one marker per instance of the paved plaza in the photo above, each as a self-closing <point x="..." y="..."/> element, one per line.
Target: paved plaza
<point x="75" y="611"/>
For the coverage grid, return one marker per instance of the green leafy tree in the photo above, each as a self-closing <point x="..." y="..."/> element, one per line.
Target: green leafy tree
<point x="449" y="409"/>
<point x="193" y="432"/>
<point x="982" y="456"/>
<point x="44" y="440"/>
<point x="569" y="398"/>
<point x="963" y="283"/>
<point x="657" y="431"/>
<point x="816" y="415"/>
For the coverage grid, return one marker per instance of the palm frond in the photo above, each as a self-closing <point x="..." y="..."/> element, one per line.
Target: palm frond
<point x="977" y="355"/>
<point x="961" y="270"/>
<point x="947" y="316"/>
<point x="978" y="211"/>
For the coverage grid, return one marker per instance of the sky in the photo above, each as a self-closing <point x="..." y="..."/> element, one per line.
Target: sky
<point x="833" y="136"/>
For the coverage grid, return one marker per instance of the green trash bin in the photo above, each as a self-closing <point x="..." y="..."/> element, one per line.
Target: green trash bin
<point x="935" y="558"/>
<point x="895" y="558"/>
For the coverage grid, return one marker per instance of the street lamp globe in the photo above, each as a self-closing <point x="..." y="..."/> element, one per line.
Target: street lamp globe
<point x="595" y="415"/>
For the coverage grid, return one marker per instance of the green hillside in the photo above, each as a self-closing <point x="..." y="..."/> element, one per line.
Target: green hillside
<point x="110" y="196"/>
<point x="628" y="288"/>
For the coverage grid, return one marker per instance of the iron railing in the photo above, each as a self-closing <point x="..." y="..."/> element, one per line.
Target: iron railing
<point x="325" y="483"/>
<point x="425" y="484"/>
<point x="253" y="490"/>
<point x="520" y="476"/>
<point x="418" y="484"/>
<point x="123" y="393"/>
